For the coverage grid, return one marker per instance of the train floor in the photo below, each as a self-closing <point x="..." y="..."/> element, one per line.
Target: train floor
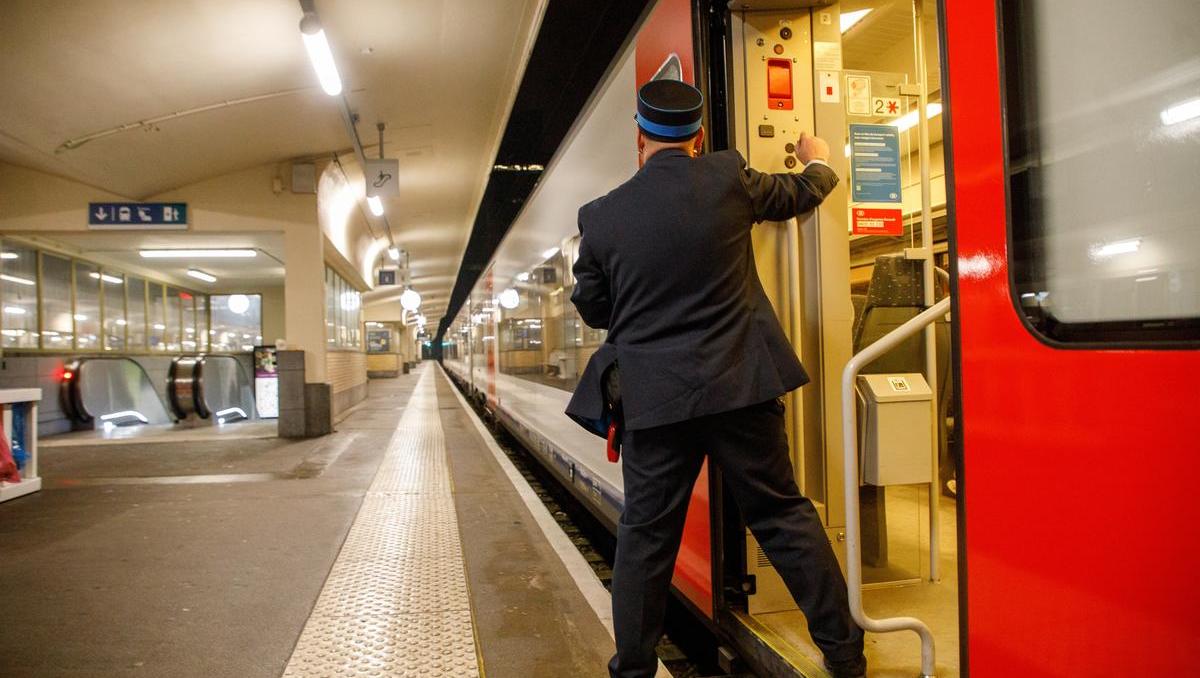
<point x="399" y="545"/>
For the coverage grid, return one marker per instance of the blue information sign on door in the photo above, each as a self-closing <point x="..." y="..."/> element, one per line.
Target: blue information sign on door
<point x="137" y="215"/>
<point x="874" y="163"/>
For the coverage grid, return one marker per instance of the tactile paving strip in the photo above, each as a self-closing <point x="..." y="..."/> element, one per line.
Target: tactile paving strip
<point x="396" y="602"/>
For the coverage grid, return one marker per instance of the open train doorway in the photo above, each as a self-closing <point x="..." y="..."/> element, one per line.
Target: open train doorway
<point x="865" y="76"/>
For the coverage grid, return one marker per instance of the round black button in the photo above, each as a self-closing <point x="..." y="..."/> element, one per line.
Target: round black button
<point x="785" y="32"/>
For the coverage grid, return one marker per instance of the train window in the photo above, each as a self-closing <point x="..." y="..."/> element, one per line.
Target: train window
<point x="1104" y="160"/>
<point x="58" y="324"/>
<point x="136" y="300"/>
<point x="112" y="286"/>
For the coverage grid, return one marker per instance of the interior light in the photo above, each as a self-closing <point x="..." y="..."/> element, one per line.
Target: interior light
<point x="523" y="277"/>
<point x="1111" y="249"/>
<point x="80" y="317"/>
<point x="1181" y="112"/>
<point x="320" y="55"/>
<point x="510" y="299"/>
<point x="15" y="310"/>
<point x="199" y="254"/>
<point x="238" y="303"/>
<point x="909" y="120"/>
<point x="394" y="253"/>
<point x="120" y="321"/>
<point x="159" y="326"/>
<point x="849" y="19"/>
<point x="550" y="252"/>
<point x="14" y="279"/>
<point x="106" y="278"/>
<point x="410" y="300"/>
<point x="201" y="275"/>
<point x="376" y="205"/>
<point x="9" y="255"/>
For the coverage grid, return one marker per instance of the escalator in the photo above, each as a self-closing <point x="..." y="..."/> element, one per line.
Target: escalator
<point x="107" y="392"/>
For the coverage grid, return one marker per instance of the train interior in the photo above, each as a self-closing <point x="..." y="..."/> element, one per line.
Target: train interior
<point x="839" y="280"/>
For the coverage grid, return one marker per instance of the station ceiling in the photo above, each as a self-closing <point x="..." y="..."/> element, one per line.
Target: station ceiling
<point x="440" y="74"/>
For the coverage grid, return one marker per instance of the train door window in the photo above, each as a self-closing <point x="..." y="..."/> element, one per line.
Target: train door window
<point x="58" y="323"/>
<point x="1103" y="164"/>
<point x="112" y="288"/>
<point x="18" y="280"/>
<point x="136" y="312"/>
<point x="87" y="306"/>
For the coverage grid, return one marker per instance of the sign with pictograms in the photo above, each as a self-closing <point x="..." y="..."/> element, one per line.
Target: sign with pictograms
<point x="876" y="221"/>
<point x="381" y="177"/>
<point x="154" y="216"/>
<point x="885" y="106"/>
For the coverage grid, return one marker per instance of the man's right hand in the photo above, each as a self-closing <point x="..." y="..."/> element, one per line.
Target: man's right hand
<point x="809" y="148"/>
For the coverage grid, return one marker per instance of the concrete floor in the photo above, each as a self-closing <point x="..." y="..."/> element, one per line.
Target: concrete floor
<point x="206" y="557"/>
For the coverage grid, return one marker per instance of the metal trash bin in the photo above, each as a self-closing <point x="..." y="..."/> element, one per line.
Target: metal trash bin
<point x="895" y="429"/>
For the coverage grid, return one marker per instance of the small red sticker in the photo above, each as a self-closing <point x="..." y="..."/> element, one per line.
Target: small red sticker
<point x="875" y="221"/>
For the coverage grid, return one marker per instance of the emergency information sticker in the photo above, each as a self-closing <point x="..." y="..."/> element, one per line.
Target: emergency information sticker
<point x="899" y="384"/>
<point x="876" y="221"/>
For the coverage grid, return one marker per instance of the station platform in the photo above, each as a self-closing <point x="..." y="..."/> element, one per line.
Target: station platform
<point x="404" y="544"/>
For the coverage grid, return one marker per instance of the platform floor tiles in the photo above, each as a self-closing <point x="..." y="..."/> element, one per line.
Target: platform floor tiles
<point x="394" y="547"/>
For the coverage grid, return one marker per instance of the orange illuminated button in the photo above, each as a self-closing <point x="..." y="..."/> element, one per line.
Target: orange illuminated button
<point x="779" y="84"/>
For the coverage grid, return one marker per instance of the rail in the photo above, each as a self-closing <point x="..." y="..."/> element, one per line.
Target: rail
<point x="850" y="452"/>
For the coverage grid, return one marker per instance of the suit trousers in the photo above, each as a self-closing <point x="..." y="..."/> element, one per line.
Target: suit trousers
<point x="660" y="466"/>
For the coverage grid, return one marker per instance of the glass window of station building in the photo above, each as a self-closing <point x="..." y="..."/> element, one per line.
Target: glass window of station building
<point x="343" y="313"/>
<point x="53" y="302"/>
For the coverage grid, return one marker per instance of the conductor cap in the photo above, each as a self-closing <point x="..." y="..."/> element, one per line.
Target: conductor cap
<point x="669" y="110"/>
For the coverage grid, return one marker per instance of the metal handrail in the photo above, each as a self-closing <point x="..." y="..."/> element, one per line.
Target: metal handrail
<point x="850" y="450"/>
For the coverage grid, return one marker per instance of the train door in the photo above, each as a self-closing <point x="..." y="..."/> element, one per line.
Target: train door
<point x="859" y="74"/>
<point x="1076" y="156"/>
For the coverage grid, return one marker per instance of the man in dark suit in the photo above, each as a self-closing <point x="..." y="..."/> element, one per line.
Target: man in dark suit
<point x="665" y="264"/>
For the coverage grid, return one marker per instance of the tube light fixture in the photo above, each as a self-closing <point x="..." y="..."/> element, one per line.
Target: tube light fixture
<point x="909" y="120"/>
<point x="550" y="252"/>
<point x="1181" y="112"/>
<point x="849" y="19"/>
<point x="9" y="255"/>
<point x="320" y="55"/>
<point x="201" y="275"/>
<point x="523" y="276"/>
<point x="15" y="310"/>
<point x="240" y="253"/>
<point x="17" y="280"/>
<point x="106" y="278"/>
<point x="376" y="205"/>
<point x="394" y="253"/>
<point x="1111" y="249"/>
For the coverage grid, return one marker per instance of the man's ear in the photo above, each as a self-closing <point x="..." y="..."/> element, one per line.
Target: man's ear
<point x="698" y="144"/>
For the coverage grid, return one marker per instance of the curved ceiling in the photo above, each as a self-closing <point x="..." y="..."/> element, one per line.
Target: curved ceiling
<point x="441" y="75"/>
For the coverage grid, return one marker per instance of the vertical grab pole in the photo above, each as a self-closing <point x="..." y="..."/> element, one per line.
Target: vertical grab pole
<point x="927" y="273"/>
<point x="850" y="480"/>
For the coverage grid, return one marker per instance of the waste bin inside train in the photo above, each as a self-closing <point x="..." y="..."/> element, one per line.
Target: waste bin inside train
<point x="897" y="429"/>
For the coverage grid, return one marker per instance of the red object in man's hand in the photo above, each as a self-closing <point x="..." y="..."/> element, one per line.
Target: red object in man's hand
<point x="614" y="443"/>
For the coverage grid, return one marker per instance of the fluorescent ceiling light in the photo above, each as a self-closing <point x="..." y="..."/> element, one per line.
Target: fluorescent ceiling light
<point x="320" y="55"/>
<point x="1111" y="249"/>
<point x="9" y="255"/>
<point x="201" y="275"/>
<point x="909" y="120"/>
<point x="523" y="276"/>
<point x="1181" y="112"/>
<point x="14" y="279"/>
<point x="849" y="19"/>
<point x="199" y="254"/>
<point x="15" y="310"/>
<point x="550" y="252"/>
<point x="394" y="253"/>
<point x="376" y="205"/>
<point x="106" y="278"/>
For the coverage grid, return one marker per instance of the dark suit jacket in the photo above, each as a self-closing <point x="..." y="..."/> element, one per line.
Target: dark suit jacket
<point x="666" y="266"/>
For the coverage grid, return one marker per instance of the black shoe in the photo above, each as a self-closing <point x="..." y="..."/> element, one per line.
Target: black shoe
<point x="850" y="668"/>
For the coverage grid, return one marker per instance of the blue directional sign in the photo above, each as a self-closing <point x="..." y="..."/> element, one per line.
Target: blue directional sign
<point x="874" y="163"/>
<point x="137" y="215"/>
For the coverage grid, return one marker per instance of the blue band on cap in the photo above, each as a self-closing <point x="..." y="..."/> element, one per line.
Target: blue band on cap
<point x="669" y="131"/>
